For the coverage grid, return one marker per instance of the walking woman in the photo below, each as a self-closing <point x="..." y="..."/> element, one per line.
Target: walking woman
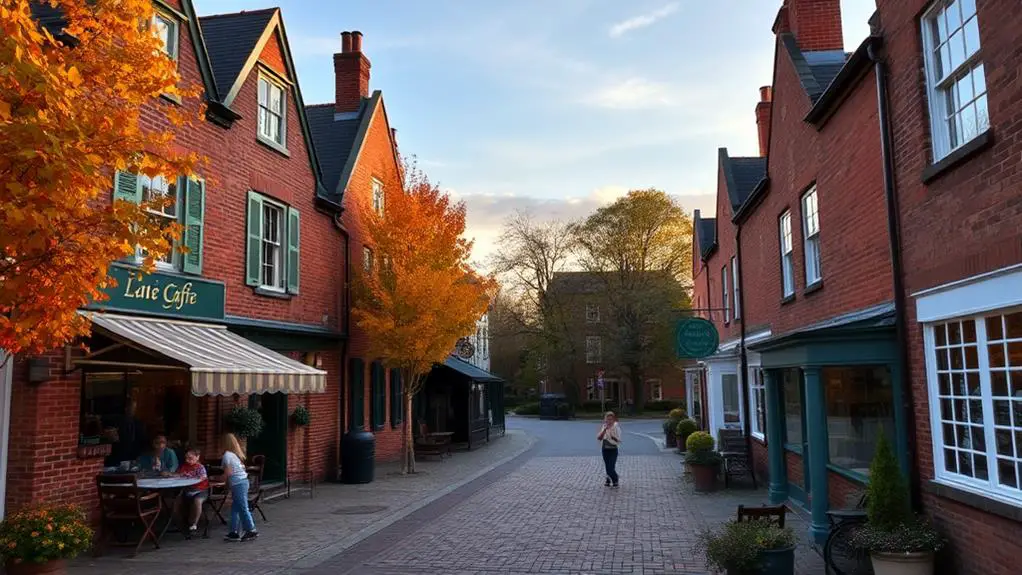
<point x="237" y="479"/>
<point x="610" y="438"/>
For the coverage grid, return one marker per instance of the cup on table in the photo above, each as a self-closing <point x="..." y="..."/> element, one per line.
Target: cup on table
<point x="125" y="466"/>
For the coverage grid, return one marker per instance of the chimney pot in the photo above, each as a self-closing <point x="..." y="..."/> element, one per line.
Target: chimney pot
<point x="764" y="109"/>
<point x="766" y="94"/>
<point x="351" y="74"/>
<point x="345" y="42"/>
<point x="356" y="41"/>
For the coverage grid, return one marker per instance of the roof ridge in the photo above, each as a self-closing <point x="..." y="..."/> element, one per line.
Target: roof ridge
<point x="239" y="13"/>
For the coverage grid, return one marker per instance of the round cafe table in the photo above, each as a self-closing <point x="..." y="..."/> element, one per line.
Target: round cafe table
<point x="170" y="488"/>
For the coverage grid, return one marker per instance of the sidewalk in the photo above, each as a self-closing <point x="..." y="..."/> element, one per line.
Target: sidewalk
<point x="303" y="532"/>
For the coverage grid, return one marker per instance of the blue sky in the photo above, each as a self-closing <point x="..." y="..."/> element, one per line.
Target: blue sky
<point x="554" y="106"/>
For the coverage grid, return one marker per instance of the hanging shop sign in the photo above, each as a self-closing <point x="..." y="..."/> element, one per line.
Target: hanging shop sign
<point x="163" y="294"/>
<point x="695" y="338"/>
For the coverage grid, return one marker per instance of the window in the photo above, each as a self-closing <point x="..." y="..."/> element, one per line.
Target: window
<point x="811" y="236"/>
<point x="378" y="381"/>
<point x="160" y="190"/>
<point x="591" y="391"/>
<point x="724" y="296"/>
<point x="734" y="287"/>
<point x="166" y="29"/>
<point x="378" y="198"/>
<point x="656" y="390"/>
<point x="367" y="259"/>
<point x="592" y="313"/>
<point x="273" y="253"/>
<point x="272" y="112"/>
<point x="860" y="407"/>
<point x="955" y="79"/>
<point x="975" y="374"/>
<point x="594" y="349"/>
<point x="791" y="385"/>
<point x="356" y="393"/>
<point x="787" y="266"/>
<point x="732" y="401"/>
<point x="274" y="235"/>
<point x="757" y="402"/>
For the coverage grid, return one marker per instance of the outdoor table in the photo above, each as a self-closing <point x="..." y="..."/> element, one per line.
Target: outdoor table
<point x="170" y="488"/>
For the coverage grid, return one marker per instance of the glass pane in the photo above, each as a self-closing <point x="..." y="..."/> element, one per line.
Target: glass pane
<point x="996" y="353"/>
<point x="1006" y="472"/>
<point x="980" y="466"/>
<point x="949" y="434"/>
<point x="999" y="383"/>
<point x="1018" y="444"/>
<point x="979" y="80"/>
<point x="957" y="361"/>
<point x="942" y="361"/>
<point x="276" y="99"/>
<point x="957" y="47"/>
<point x="982" y="114"/>
<point x="263" y="89"/>
<point x="973" y="384"/>
<point x="1002" y="412"/>
<point x="979" y="440"/>
<point x="1004" y="445"/>
<point x="958" y="385"/>
<point x="976" y="411"/>
<point x="946" y="413"/>
<point x="1015" y="353"/>
<point x="1017" y="409"/>
<point x="944" y="61"/>
<point x="961" y="411"/>
<point x="968" y="8"/>
<point x="954" y="15"/>
<point x="1013" y="322"/>
<point x="940" y="333"/>
<point x="944" y="384"/>
<point x="964" y="89"/>
<point x="969" y="331"/>
<point x="994" y="329"/>
<point x="950" y="461"/>
<point x="971" y="358"/>
<point x="971" y="37"/>
<point x="954" y="331"/>
<point x="939" y="29"/>
<point x="965" y="463"/>
<point x="964" y="435"/>
<point x="1015" y="378"/>
<point x="859" y="403"/>
<point x="969" y="127"/>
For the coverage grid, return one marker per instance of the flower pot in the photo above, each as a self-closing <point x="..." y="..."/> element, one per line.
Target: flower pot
<point x="671" y="438"/>
<point x="777" y="562"/>
<point x="55" y="567"/>
<point x="903" y="563"/>
<point x="705" y="476"/>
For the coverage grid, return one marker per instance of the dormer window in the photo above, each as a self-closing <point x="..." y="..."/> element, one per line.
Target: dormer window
<point x="272" y="112"/>
<point x="166" y="29"/>
<point x="378" y="197"/>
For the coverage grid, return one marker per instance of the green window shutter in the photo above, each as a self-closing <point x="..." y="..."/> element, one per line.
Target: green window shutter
<point x="294" y="236"/>
<point x="356" y="405"/>
<point x="396" y="398"/>
<point x="194" y="210"/>
<point x="254" y="253"/>
<point x="379" y="398"/>
<point x="128" y="187"/>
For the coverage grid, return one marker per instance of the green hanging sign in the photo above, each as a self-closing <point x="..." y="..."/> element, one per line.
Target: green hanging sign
<point x="696" y="338"/>
<point x="163" y="294"/>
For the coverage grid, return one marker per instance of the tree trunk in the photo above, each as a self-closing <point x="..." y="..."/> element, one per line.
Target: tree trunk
<point x="407" y="439"/>
<point x="638" y="388"/>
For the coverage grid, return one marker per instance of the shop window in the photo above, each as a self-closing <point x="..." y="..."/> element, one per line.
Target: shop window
<point x="732" y="401"/>
<point x="378" y="399"/>
<point x="104" y="403"/>
<point x="274" y="242"/>
<point x="757" y="402"/>
<point x="791" y="384"/>
<point x="860" y="407"/>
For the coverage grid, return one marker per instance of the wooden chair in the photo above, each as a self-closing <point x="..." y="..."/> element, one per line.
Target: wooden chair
<point x="735" y="452"/>
<point x="774" y="514"/>
<point x="255" y="484"/>
<point x="427" y="444"/>
<point x="123" y="505"/>
<point x="218" y="492"/>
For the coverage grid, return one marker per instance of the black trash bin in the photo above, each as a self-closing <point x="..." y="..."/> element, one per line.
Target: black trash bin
<point x="358" y="457"/>
<point x="554" y="406"/>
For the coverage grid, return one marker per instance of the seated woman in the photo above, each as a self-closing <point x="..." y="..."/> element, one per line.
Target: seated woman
<point x="193" y="497"/>
<point x="160" y="459"/>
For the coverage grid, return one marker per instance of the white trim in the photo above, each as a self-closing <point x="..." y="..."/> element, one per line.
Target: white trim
<point x="6" y="383"/>
<point x="994" y="290"/>
<point x="965" y="281"/>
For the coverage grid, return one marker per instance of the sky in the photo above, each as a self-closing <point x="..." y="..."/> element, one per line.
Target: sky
<point x="553" y="106"/>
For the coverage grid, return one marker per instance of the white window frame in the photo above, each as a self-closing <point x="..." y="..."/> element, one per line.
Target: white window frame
<point x="173" y="33"/>
<point x="278" y="265"/>
<point x="734" y="288"/>
<point x="379" y="199"/>
<point x="787" y="255"/>
<point x="592" y="313"/>
<point x="656" y="384"/>
<point x="947" y="88"/>
<point x="147" y="183"/>
<point x="594" y="349"/>
<point x="756" y="384"/>
<point x="367" y="259"/>
<point x="725" y="298"/>
<point x="811" y="236"/>
<point x="264" y="111"/>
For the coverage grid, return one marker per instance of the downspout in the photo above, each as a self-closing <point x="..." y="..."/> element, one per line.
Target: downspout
<point x="343" y="422"/>
<point x="747" y="423"/>
<point x="877" y="55"/>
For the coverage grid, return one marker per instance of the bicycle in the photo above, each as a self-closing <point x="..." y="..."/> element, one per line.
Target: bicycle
<point x="839" y="556"/>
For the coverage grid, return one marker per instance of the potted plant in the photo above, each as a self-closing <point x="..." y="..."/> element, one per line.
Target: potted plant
<point x="702" y="460"/>
<point x="40" y="539"/>
<point x="683" y="430"/>
<point x="749" y="548"/>
<point x="669" y="426"/>
<point x="244" y="422"/>
<point x="899" y="542"/>
<point x="300" y="416"/>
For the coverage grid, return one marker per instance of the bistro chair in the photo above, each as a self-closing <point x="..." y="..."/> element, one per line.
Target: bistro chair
<point x="123" y="505"/>
<point x="218" y="493"/>
<point x="773" y="514"/>
<point x="255" y="484"/>
<point x="734" y="450"/>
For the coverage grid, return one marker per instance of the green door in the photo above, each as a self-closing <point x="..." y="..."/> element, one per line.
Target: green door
<point x="272" y="442"/>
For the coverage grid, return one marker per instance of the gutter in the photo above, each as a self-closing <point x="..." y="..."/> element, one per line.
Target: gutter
<point x="751" y="202"/>
<point x="878" y="55"/>
<point x="841" y="86"/>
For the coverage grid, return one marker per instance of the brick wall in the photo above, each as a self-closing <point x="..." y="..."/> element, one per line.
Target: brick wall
<point x="761" y="461"/>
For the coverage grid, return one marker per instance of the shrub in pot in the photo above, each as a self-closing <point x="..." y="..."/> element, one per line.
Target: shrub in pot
<point x="702" y="460"/>
<point x="41" y="539"/>
<point x="300" y="417"/>
<point x="683" y="430"/>
<point x="673" y="417"/>
<point x="244" y="422"/>
<point x="899" y="542"/>
<point x="749" y="548"/>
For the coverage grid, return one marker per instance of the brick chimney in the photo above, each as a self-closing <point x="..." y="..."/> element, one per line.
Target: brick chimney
<point x="763" y="111"/>
<point x="816" y="24"/>
<point x="351" y="74"/>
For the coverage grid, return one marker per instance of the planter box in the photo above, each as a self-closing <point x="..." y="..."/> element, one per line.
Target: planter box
<point x="57" y="567"/>
<point x="902" y="563"/>
<point x="705" y="476"/>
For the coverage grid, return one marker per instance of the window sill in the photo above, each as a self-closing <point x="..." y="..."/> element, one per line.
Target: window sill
<point x="848" y="474"/>
<point x="813" y="287"/>
<point x="267" y="292"/>
<point x="973" y="147"/>
<point x="273" y="146"/>
<point x="787" y="299"/>
<point x="176" y="100"/>
<point x="796" y="449"/>
<point x="379" y="427"/>
<point x="1011" y="511"/>
<point x="761" y="438"/>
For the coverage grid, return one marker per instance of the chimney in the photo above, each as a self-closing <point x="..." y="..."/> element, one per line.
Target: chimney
<point x="763" y="111"/>
<point x="351" y="74"/>
<point x="816" y="24"/>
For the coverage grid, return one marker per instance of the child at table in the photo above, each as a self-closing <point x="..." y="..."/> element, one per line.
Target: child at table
<point x="194" y="496"/>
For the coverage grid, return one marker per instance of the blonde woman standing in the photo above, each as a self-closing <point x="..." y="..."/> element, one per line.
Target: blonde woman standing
<point x="610" y="438"/>
<point x="237" y="478"/>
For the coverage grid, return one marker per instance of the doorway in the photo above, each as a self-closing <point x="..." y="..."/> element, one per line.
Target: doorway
<point x="272" y="442"/>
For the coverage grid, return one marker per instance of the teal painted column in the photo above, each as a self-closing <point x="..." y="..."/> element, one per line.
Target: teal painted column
<point x="900" y="439"/>
<point x="816" y="429"/>
<point x="775" y="438"/>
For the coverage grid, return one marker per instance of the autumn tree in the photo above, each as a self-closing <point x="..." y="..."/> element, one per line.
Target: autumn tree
<point x="640" y="248"/>
<point x="419" y="295"/>
<point x="70" y="106"/>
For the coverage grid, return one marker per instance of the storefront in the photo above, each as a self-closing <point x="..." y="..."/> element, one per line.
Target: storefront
<point x="830" y="391"/>
<point x="462" y="399"/>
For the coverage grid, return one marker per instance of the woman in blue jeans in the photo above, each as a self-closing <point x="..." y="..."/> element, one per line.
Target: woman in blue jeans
<point x="610" y="438"/>
<point x="237" y="480"/>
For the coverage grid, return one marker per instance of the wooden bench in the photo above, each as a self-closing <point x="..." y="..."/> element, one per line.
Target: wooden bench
<point x="433" y="444"/>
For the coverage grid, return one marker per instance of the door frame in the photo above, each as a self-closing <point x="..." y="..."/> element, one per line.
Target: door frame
<point x="280" y="446"/>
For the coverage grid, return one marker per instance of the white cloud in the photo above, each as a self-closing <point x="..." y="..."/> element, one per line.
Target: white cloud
<point x="632" y="94"/>
<point x="625" y="26"/>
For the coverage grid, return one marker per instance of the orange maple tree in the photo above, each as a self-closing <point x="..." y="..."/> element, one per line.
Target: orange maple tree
<point x="420" y="295"/>
<point x="70" y="107"/>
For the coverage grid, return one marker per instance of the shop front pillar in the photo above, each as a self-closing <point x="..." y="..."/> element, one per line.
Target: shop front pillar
<point x="775" y="438"/>
<point x="816" y="431"/>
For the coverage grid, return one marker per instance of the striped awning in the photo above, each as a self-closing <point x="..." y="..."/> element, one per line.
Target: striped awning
<point x="220" y="362"/>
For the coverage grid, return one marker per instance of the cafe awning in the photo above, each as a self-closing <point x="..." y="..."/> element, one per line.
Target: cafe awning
<point x="220" y="362"/>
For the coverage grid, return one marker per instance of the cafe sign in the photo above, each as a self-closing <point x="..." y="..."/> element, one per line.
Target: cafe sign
<point x="695" y="338"/>
<point x="163" y="294"/>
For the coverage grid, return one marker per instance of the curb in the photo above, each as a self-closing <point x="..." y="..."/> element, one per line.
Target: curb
<point x="320" y="556"/>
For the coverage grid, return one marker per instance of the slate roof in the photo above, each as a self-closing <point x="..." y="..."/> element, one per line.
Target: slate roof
<point x="577" y="282"/>
<point x="468" y="370"/>
<point x="742" y="175"/>
<point x="334" y="139"/>
<point x="230" y="39"/>
<point x="706" y="231"/>
<point x="816" y="70"/>
<point x="879" y="316"/>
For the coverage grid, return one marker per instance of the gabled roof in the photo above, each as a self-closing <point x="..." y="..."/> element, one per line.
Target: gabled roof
<point x="742" y="175"/>
<point x="706" y="234"/>
<point x="230" y="41"/>
<point x="816" y="70"/>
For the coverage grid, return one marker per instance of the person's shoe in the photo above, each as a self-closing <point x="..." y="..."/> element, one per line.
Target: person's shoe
<point x="249" y="535"/>
<point x="607" y="482"/>
<point x="232" y="537"/>
<point x="615" y="486"/>
<point x="193" y="528"/>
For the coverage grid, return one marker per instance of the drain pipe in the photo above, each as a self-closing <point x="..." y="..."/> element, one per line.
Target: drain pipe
<point x="343" y="422"/>
<point x="744" y="361"/>
<point x="878" y="55"/>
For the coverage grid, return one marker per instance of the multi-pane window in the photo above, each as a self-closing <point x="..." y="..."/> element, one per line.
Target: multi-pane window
<point x="734" y="287"/>
<point x="272" y="112"/>
<point x="724" y="294"/>
<point x="592" y="313"/>
<point x="656" y="390"/>
<point x="732" y="395"/>
<point x="757" y="402"/>
<point x="594" y="349"/>
<point x="976" y="379"/>
<point x="161" y="194"/>
<point x="955" y="78"/>
<point x="787" y="264"/>
<point x="811" y="236"/>
<point x="378" y="197"/>
<point x="860" y="407"/>
<point x="165" y="29"/>
<point x="367" y="259"/>
<point x="273" y="252"/>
